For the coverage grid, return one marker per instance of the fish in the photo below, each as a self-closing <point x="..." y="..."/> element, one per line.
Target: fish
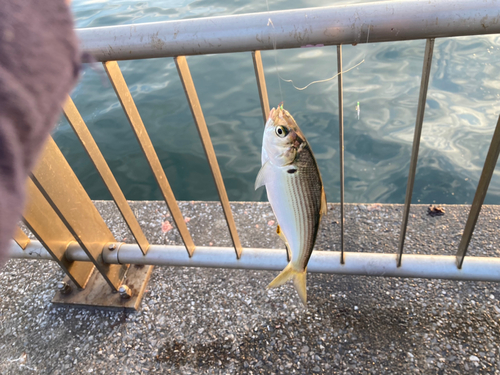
<point x="358" y="110"/>
<point x="295" y="191"/>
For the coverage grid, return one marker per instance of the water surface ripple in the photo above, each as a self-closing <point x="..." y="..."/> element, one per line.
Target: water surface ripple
<point x="461" y="111"/>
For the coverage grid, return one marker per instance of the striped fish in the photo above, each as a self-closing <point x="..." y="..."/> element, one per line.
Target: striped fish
<point x="295" y="190"/>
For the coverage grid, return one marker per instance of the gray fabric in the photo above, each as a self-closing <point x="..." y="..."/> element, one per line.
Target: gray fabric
<point x="39" y="64"/>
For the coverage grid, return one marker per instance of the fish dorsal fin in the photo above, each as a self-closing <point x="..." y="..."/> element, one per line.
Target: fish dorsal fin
<point x="264" y="175"/>
<point x="323" y="209"/>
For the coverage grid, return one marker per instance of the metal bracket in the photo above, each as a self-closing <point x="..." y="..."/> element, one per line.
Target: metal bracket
<point x="98" y="293"/>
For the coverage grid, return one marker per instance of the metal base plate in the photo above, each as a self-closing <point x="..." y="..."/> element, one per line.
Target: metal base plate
<point x="98" y="293"/>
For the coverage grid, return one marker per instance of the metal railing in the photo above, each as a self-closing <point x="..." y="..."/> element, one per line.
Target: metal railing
<point x="54" y="190"/>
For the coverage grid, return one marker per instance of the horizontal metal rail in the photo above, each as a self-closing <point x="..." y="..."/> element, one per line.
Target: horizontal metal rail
<point x="371" y="264"/>
<point x="344" y="24"/>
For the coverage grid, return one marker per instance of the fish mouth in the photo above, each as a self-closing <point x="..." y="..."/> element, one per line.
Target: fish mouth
<point x="278" y="109"/>
<point x="276" y="113"/>
<point x="271" y="114"/>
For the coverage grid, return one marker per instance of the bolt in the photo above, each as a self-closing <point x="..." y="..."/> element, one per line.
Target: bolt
<point x="125" y="291"/>
<point x="64" y="287"/>
<point x="112" y="247"/>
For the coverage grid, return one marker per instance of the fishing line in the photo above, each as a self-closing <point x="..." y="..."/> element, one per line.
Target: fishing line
<point x="321" y="80"/>
<point x="358" y="107"/>
<point x="270" y="22"/>
<point x="280" y="78"/>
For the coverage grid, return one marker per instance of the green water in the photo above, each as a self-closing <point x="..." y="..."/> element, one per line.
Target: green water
<point x="462" y="107"/>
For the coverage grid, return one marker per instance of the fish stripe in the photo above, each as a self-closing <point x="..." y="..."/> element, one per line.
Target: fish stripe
<point x="306" y="194"/>
<point x="307" y="221"/>
<point x="297" y="209"/>
<point x="300" y="220"/>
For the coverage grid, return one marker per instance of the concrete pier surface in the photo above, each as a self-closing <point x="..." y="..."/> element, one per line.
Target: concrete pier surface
<point x="216" y="321"/>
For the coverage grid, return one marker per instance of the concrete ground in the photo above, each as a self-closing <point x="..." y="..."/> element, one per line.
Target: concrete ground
<point x="211" y="321"/>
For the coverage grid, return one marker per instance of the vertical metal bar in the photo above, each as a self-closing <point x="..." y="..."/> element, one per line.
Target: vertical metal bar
<point x="341" y="148"/>
<point x="261" y="83"/>
<point x="482" y="188"/>
<point x="424" y="83"/>
<point x="48" y="228"/>
<point x="83" y="134"/>
<point x="58" y="183"/>
<point x="199" y="119"/>
<point x="127" y="102"/>
<point x="21" y="238"/>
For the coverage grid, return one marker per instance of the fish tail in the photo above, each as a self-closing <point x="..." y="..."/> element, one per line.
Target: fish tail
<point x="299" y="281"/>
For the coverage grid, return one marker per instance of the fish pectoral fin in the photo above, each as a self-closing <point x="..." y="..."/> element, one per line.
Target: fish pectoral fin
<point x="263" y="176"/>
<point x="299" y="281"/>
<point x="324" y="208"/>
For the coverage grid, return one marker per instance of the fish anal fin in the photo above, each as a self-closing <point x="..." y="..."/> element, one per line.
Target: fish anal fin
<point x="323" y="208"/>
<point x="299" y="281"/>
<point x="281" y="234"/>
<point x="287" y="247"/>
<point x="263" y="176"/>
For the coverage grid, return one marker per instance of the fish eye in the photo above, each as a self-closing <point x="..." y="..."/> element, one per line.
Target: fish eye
<point x="281" y="131"/>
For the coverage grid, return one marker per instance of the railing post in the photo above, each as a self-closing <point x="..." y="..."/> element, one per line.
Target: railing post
<point x="201" y="125"/>
<point x="341" y="148"/>
<point x="21" y="238"/>
<point x="116" y="77"/>
<point x="424" y="83"/>
<point x="482" y="189"/>
<point x="88" y="143"/>
<point x="59" y="185"/>
<point x="49" y="229"/>
<point x="261" y="84"/>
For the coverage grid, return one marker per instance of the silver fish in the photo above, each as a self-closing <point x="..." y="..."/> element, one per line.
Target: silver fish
<point x="296" y="193"/>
